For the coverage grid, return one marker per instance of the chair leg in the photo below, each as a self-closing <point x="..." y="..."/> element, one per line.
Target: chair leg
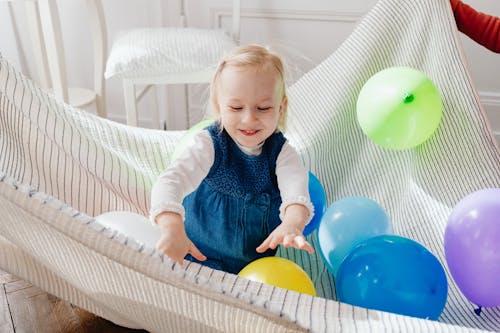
<point x="155" y="113"/>
<point x="100" y="106"/>
<point x="130" y="102"/>
<point x="186" y="101"/>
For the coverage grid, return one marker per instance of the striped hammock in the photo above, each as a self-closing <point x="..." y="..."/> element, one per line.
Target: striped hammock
<point x="60" y="166"/>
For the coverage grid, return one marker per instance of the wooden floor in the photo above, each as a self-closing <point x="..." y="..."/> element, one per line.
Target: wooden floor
<point x="25" y="308"/>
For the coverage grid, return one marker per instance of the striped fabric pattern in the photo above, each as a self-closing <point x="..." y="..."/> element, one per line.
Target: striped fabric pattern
<point x="59" y="166"/>
<point x="418" y="188"/>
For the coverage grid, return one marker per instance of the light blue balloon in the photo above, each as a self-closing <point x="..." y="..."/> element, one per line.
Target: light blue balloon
<point x="346" y="223"/>
<point x="393" y="274"/>
<point x="318" y="199"/>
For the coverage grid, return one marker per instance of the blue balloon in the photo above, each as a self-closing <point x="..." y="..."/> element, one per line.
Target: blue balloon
<point x="393" y="274"/>
<point x="318" y="199"/>
<point x="347" y="222"/>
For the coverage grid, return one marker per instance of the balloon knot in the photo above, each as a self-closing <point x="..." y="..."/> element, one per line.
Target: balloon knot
<point x="409" y="98"/>
<point x="478" y="311"/>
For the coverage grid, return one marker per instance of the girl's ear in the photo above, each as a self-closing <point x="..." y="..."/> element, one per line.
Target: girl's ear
<point x="283" y="105"/>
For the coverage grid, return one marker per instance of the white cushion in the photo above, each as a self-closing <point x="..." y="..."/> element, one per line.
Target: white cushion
<point x="156" y="52"/>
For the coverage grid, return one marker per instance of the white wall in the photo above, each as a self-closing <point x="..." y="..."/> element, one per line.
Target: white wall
<point x="485" y="67"/>
<point x="287" y="25"/>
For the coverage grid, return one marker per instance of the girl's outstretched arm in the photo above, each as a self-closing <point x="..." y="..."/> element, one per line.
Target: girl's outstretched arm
<point x="181" y="178"/>
<point x="296" y="209"/>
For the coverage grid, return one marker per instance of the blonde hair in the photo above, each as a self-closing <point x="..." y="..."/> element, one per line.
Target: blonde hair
<point x="252" y="55"/>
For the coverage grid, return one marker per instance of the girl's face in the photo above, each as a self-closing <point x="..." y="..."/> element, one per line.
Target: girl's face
<point x="249" y="103"/>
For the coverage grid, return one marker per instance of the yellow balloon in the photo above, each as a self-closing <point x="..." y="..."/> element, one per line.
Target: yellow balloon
<point x="279" y="272"/>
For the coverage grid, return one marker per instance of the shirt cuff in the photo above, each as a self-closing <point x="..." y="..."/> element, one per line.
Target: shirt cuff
<point x="174" y="207"/>
<point x="301" y="200"/>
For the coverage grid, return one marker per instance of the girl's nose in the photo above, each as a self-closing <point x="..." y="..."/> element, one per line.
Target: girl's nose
<point x="248" y="116"/>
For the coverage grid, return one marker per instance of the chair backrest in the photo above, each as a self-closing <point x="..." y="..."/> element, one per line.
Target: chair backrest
<point x="100" y="49"/>
<point x="236" y="27"/>
<point x="236" y="18"/>
<point x="51" y="46"/>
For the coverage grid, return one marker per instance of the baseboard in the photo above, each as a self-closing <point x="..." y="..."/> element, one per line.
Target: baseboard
<point x="491" y="104"/>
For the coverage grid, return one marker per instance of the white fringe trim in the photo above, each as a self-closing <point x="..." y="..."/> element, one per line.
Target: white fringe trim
<point x="174" y="207"/>
<point x="302" y="200"/>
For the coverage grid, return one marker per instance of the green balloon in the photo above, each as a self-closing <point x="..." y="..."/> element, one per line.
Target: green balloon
<point x="187" y="139"/>
<point x="399" y="108"/>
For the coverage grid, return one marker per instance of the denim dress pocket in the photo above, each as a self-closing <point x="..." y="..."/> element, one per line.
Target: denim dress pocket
<point x="255" y="224"/>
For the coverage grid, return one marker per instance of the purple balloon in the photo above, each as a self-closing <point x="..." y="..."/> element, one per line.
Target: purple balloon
<point x="472" y="246"/>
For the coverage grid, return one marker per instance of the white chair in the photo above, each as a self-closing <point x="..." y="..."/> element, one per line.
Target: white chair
<point x="168" y="55"/>
<point x="46" y="37"/>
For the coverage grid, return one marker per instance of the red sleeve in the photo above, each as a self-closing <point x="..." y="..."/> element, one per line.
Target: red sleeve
<point x="482" y="28"/>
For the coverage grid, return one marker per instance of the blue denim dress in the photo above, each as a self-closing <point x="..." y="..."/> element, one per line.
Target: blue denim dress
<point x="237" y="205"/>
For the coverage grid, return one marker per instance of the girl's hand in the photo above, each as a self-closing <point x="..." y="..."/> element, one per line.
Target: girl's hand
<point x="289" y="232"/>
<point x="173" y="241"/>
<point x="288" y="236"/>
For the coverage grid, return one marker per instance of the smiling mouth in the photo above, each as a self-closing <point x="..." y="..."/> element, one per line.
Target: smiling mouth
<point x="249" y="132"/>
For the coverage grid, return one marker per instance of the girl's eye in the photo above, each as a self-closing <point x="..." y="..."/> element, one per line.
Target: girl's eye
<point x="236" y="108"/>
<point x="266" y="108"/>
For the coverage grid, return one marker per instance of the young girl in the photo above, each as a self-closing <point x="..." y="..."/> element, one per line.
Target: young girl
<point x="240" y="189"/>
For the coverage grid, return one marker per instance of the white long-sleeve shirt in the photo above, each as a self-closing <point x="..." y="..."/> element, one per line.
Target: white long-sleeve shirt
<point x="186" y="173"/>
